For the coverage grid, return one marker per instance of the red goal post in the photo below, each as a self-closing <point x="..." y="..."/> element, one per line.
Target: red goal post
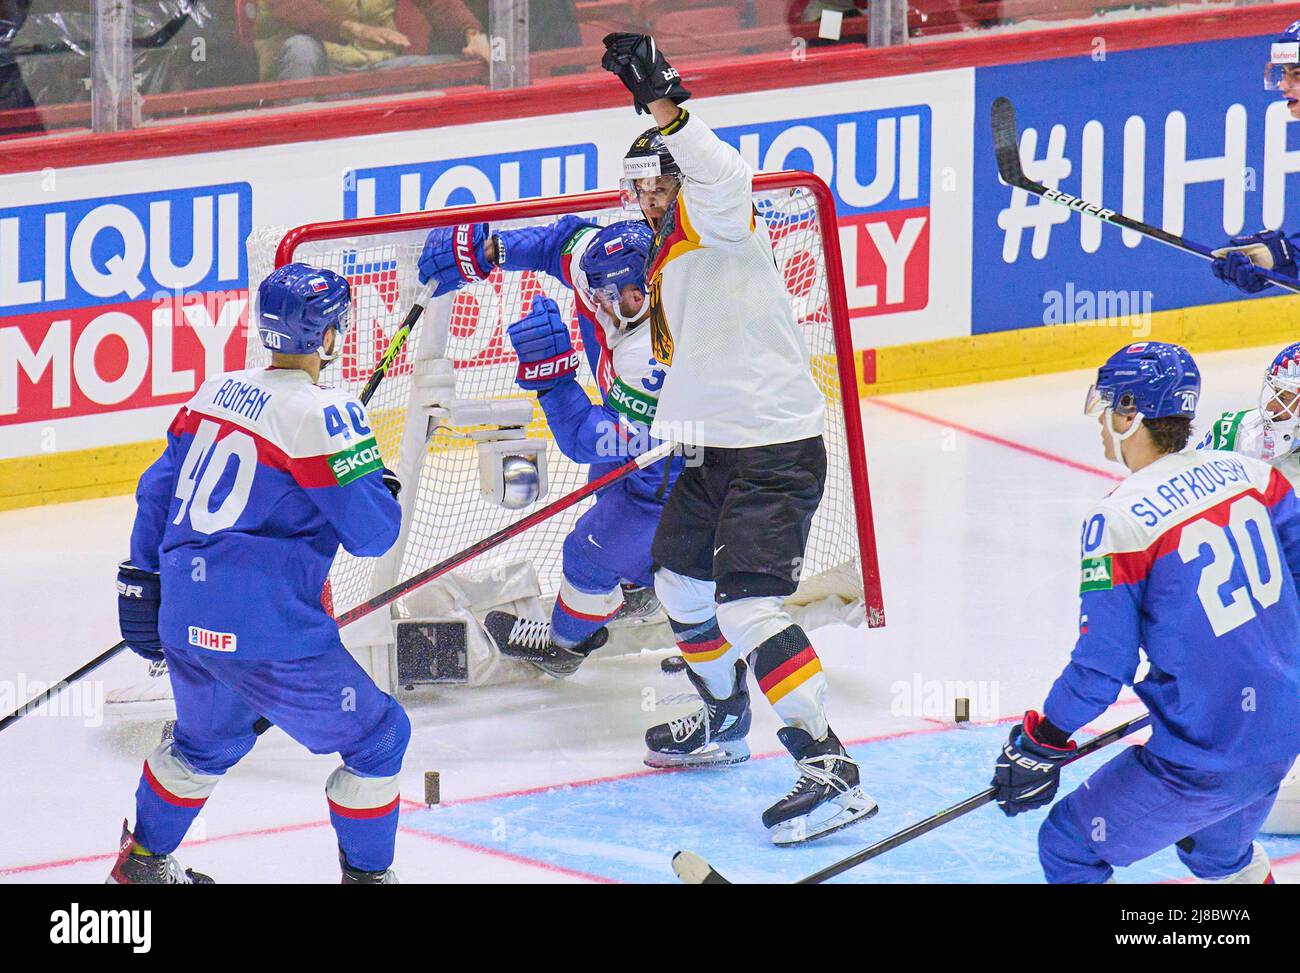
<point x="798" y="206"/>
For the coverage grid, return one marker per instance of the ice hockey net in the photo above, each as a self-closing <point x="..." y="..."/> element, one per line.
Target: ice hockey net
<point x="444" y="509"/>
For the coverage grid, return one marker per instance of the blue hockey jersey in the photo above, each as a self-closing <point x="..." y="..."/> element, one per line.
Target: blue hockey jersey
<point x="623" y="362"/>
<point x="1195" y="560"/>
<point x="264" y="475"/>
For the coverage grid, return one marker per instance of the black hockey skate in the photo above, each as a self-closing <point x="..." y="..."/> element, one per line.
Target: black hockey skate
<point x="826" y="798"/>
<point x="135" y="869"/>
<point x="355" y="876"/>
<point x="639" y="607"/>
<point x="529" y="640"/>
<point x="713" y="735"/>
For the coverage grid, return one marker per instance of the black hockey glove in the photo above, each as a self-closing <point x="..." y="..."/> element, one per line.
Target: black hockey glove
<point x="643" y="69"/>
<point x="392" y="482"/>
<point x="139" y="594"/>
<point x="1028" y="772"/>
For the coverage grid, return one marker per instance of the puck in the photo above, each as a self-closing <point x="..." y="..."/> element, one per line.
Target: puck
<point x="674" y="663"/>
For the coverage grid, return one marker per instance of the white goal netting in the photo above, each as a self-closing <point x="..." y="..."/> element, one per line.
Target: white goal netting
<point x="445" y="510"/>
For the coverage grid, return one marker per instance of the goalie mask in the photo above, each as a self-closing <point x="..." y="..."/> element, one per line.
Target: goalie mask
<point x="1279" y="399"/>
<point x="614" y="266"/>
<point x="297" y="304"/>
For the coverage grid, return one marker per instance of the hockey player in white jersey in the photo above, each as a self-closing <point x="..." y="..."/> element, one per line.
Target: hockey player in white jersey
<point x="739" y="385"/>
<point x="608" y="548"/>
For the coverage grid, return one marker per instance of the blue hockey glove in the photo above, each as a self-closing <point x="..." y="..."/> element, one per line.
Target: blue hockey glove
<point x="454" y="256"/>
<point x="1237" y="263"/>
<point x="392" y="482"/>
<point x="138" y="597"/>
<point x="1028" y="772"/>
<point x="541" y="340"/>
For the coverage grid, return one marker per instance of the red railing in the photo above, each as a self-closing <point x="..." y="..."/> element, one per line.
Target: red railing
<point x="710" y="66"/>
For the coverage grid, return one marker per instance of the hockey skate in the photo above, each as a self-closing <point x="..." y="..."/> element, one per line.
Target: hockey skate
<point x="827" y="796"/>
<point x="355" y="876"/>
<point x="149" y="698"/>
<point x="639" y="607"/>
<point x="136" y="869"/>
<point x="528" y="640"/>
<point x="714" y="735"/>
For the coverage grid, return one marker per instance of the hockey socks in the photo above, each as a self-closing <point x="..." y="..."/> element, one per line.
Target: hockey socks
<point x="364" y="813"/>
<point x="790" y="675"/>
<point x="578" y="615"/>
<point x="170" y="796"/>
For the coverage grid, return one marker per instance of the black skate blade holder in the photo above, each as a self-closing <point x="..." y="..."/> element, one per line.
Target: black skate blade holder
<point x="432" y="651"/>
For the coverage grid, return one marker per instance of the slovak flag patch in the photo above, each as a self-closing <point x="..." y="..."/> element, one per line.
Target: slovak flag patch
<point x="613" y="246"/>
<point x="318" y="284"/>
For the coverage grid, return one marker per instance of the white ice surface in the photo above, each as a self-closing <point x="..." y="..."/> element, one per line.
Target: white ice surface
<point x="978" y="544"/>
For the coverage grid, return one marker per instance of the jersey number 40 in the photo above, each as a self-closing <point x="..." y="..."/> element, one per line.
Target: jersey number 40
<point x="195" y="491"/>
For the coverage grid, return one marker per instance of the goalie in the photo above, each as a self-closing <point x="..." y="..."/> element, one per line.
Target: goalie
<point x="609" y="546"/>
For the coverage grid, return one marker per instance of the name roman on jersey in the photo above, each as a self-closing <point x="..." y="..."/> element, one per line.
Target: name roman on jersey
<point x="356" y="461"/>
<point x="241" y="398"/>
<point x="1182" y="490"/>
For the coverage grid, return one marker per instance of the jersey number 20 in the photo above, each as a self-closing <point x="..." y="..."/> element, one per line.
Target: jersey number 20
<point x="1251" y="531"/>
<point x="195" y="492"/>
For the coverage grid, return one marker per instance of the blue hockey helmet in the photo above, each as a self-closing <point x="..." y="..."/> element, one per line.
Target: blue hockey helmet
<point x="1279" y="400"/>
<point x="1284" y="53"/>
<point x="615" y="259"/>
<point x="297" y="304"/>
<point x="1151" y="379"/>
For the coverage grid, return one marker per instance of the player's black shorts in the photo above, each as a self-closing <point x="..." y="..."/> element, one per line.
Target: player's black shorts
<point x="741" y="517"/>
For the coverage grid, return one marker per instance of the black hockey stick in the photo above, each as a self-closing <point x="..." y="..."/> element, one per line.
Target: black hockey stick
<point x="694" y="870"/>
<point x="1006" y="145"/>
<point x="394" y="346"/>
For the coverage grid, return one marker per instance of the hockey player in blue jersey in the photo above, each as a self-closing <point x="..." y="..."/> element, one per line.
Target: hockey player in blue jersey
<point x="265" y="474"/>
<point x="1194" y="559"/>
<point x="1236" y="262"/>
<point x="609" y="546"/>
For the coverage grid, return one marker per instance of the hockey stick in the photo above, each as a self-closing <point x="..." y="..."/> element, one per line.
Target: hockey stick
<point x="1006" y="145"/>
<point x="398" y="342"/>
<point x="394" y="346"/>
<point x="647" y="458"/>
<point x="694" y="870"/>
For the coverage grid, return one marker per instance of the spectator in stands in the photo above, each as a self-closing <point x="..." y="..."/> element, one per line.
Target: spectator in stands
<point x="311" y="38"/>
